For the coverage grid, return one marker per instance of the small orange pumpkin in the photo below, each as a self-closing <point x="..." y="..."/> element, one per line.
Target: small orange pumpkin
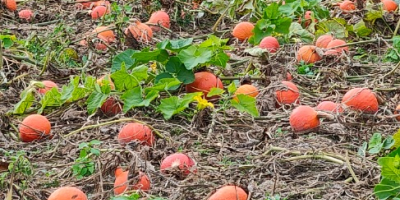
<point x="269" y="43"/>
<point x="243" y="31"/>
<point x="289" y="96"/>
<point x="323" y="40"/>
<point x="361" y="99"/>
<point x="346" y="6"/>
<point x="308" y="54"/>
<point x="247" y="90"/>
<point x="141" y="32"/>
<point x="10" y="4"/>
<point x="303" y="118"/>
<point x="389" y="5"/>
<point x="159" y="17"/>
<point x="336" y="51"/>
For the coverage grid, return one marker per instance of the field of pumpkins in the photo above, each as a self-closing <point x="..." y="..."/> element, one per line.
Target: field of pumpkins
<point x="199" y="99"/>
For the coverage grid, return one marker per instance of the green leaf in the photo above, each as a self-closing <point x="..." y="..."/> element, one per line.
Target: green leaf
<point x="373" y="15"/>
<point x="175" y="44"/>
<point x="361" y="30"/>
<point x="282" y="25"/>
<point x="297" y="31"/>
<point x="232" y="88"/>
<point x="388" y="142"/>
<point x="165" y="84"/>
<point x="387" y="188"/>
<point x="51" y="98"/>
<point x="174" y="105"/>
<point x="134" y="196"/>
<point x="125" y="81"/>
<point x="272" y="11"/>
<point x="390" y="167"/>
<point x="95" y="101"/>
<point x="162" y="76"/>
<point x="362" y="150"/>
<point x="123" y="57"/>
<point x="174" y="65"/>
<point x="334" y="27"/>
<point x="375" y="140"/>
<point x="95" y="151"/>
<point x="246" y="104"/>
<point x="193" y="56"/>
<point x="132" y="98"/>
<point x="27" y="99"/>
<point x="95" y="142"/>
<point x="215" y="91"/>
<point x="220" y="59"/>
<point x="185" y="76"/>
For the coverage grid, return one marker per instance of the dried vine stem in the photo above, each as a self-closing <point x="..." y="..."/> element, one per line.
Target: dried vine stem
<point x="116" y="121"/>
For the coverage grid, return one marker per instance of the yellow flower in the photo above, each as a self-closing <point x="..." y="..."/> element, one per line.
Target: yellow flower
<point x="202" y="103"/>
<point x="153" y="67"/>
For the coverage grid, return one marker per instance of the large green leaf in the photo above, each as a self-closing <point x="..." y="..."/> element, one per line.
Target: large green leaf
<point x="123" y="57"/>
<point x="246" y="104"/>
<point x="174" y="105"/>
<point x="390" y="168"/>
<point x="193" y="56"/>
<point x="95" y="100"/>
<point x="51" y="98"/>
<point x="387" y="189"/>
<point x="26" y="102"/>
<point x="134" y="98"/>
<point x="125" y="81"/>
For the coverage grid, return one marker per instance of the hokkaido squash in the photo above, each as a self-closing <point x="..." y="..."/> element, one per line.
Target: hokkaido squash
<point x="246" y="89"/>
<point x="159" y="17"/>
<point x="99" y="11"/>
<point x="25" y="14"/>
<point x="179" y="164"/>
<point x="34" y="127"/>
<point x="67" y="193"/>
<point x="141" y="32"/>
<point x="308" y="54"/>
<point x="203" y="82"/>
<point x="269" y="43"/>
<point x="48" y="85"/>
<point x="106" y="36"/>
<point x="289" y="95"/>
<point x="303" y="118"/>
<point x="243" y="30"/>
<point x="323" y="40"/>
<point x="329" y="106"/>
<point x="336" y="51"/>
<point x="111" y="107"/>
<point x="346" y="6"/>
<point x="136" y="131"/>
<point x="361" y="99"/>
<point x="229" y="192"/>
<point x="397" y="111"/>
<point x="10" y="4"/>
<point x="121" y="182"/>
<point x="389" y="5"/>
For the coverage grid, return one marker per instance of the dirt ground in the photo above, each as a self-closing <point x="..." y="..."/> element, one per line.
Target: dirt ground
<point x="261" y="154"/>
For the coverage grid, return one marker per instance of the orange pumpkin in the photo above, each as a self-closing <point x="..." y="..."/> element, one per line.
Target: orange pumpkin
<point x="269" y="43"/>
<point x="141" y="32"/>
<point x="243" y="31"/>
<point x="307" y="17"/>
<point x="67" y="193"/>
<point x="307" y="54"/>
<point x="397" y="111"/>
<point x="178" y="162"/>
<point x="25" y="14"/>
<point x="203" y="82"/>
<point x="48" y="85"/>
<point x="329" y="106"/>
<point x="10" y="4"/>
<point x="303" y="118"/>
<point x="136" y="131"/>
<point x="346" y="6"/>
<point x="111" y="107"/>
<point x="106" y="36"/>
<point x="229" y="192"/>
<point x="336" y="51"/>
<point x="323" y="40"/>
<point x="34" y="127"/>
<point x="389" y="5"/>
<point x="159" y="17"/>
<point x="99" y="11"/>
<point x="247" y="90"/>
<point x="289" y="96"/>
<point x="361" y="99"/>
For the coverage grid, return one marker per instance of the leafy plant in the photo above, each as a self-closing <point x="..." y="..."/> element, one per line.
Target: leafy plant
<point x="84" y="164"/>
<point x="304" y="68"/>
<point x="389" y="186"/>
<point x="18" y="164"/>
<point x="376" y="144"/>
<point x="392" y="54"/>
<point x="274" y="197"/>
